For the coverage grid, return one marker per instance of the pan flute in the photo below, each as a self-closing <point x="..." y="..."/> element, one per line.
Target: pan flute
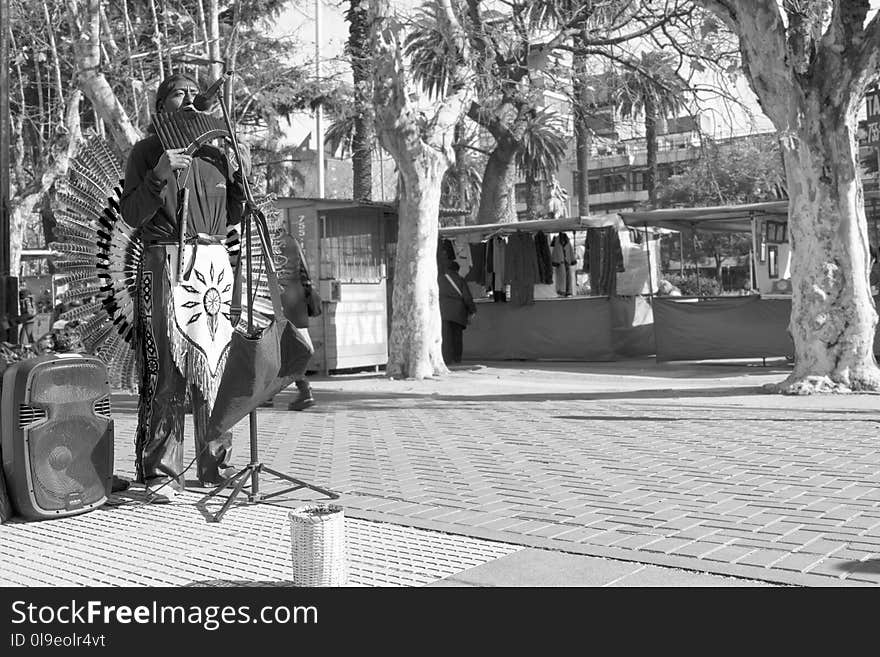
<point x="188" y="129"/>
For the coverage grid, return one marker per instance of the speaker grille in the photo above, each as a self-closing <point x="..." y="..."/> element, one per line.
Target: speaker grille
<point x="68" y="446"/>
<point x="28" y="415"/>
<point x="64" y="467"/>
<point x="69" y="381"/>
<point x="102" y="407"/>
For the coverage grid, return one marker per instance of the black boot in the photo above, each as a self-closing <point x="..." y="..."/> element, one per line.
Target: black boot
<point x="304" y="399"/>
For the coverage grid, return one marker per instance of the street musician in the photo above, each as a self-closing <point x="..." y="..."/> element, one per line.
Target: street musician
<point x="187" y="206"/>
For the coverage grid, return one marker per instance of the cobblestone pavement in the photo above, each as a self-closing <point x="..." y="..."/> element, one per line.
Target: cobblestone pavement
<point x="685" y="467"/>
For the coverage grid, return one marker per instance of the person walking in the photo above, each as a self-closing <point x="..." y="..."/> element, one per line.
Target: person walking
<point x="181" y="332"/>
<point x="300" y="301"/>
<point x="456" y="308"/>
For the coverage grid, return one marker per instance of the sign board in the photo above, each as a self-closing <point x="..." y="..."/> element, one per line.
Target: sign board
<point x="872" y="127"/>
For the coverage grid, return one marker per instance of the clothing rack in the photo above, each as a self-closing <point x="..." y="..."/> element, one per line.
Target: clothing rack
<point x="532" y="226"/>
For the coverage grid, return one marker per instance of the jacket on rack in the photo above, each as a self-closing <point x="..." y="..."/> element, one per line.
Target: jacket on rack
<point x="563" y="260"/>
<point x="542" y="253"/>
<point x="521" y="268"/>
<point x="603" y="258"/>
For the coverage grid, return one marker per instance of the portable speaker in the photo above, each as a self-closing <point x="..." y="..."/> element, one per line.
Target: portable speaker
<point x="57" y="435"/>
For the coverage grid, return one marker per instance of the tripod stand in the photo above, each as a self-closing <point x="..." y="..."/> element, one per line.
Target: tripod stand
<point x="254" y="468"/>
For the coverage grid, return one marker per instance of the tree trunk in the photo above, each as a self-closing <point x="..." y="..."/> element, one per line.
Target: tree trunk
<point x="364" y="130"/>
<point x="582" y="145"/>
<point x="421" y="144"/>
<point x="651" y="150"/>
<point x="415" y="345"/>
<point x="462" y="191"/>
<point x="61" y="152"/>
<point x="833" y="316"/>
<point x="581" y="129"/>
<point x="214" y="39"/>
<point x="93" y="83"/>
<point x="498" y="195"/>
<point x="809" y="71"/>
<point x="533" y="201"/>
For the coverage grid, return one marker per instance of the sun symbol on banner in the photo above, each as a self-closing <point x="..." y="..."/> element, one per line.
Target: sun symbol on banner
<point x="207" y="298"/>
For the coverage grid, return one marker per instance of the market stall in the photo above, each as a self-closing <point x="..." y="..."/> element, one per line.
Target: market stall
<point x="349" y="247"/>
<point x="752" y="326"/>
<point x="556" y="310"/>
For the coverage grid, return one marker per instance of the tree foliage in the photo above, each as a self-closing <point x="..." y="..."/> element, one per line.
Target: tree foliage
<point x="116" y="52"/>
<point x="746" y="170"/>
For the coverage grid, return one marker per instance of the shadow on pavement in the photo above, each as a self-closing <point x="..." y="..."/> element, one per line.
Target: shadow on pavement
<point x="739" y="418"/>
<point x="868" y="566"/>
<point x="639" y="367"/>
<point x="351" y="399"/>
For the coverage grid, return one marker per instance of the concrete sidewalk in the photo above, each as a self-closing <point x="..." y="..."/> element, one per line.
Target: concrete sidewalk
<point x="627" y="473"/>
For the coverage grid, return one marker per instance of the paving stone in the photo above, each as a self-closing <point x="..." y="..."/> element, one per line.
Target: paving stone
<point x="729" y="553"/>
<point x="799" y="562"/>
<point x="763" y="558"/>
<point x="690" y="471"/>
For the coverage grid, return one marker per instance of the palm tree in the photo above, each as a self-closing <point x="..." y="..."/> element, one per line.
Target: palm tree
<point x="505" y="101"/>
<point x="651" y="87"/>
<point x="363" y="135"/>
<point x="543" y="147"/>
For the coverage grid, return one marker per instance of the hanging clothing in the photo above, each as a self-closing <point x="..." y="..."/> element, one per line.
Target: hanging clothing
<point x="603" y="258"/>
<point x="521" y="268"/>
<point x="495" y="247"/>
<point x="542" y="252"/>
<point x="563" y="259"/>
<point x="477" y="272"/>
<point x="499" y="252"/>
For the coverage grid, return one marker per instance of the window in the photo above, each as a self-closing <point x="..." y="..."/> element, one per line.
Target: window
<point x="776" y="231"/>
<point x="520" y="191"/>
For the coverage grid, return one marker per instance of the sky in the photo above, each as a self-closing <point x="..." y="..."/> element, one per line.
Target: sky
<point x="298" y="23"/>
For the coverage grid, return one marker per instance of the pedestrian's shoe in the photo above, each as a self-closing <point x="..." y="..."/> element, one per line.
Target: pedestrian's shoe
<point x="304" y="399"/>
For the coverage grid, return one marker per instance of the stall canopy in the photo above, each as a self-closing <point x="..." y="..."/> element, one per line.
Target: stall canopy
<point x="719" y="218"/>
<point x="546" y="225"/>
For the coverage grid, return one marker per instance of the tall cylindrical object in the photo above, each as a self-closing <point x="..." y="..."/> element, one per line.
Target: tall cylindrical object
<point x="5" y="140"/>
<point x="319" y="110"/>
<point x="317" y="542"/>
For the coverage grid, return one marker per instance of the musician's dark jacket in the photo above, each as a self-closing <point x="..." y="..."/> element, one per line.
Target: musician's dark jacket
<point x="150" y="202"/>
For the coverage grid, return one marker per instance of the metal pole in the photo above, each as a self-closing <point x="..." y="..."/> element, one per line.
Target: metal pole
<point x="754" y="272"/>
<point x="5" y="140"/>
<point x="319" y="110"/>
<point x="650" y="273"/>
<point x="681" y="253"/>
<point x="8" y="284"/>
<point x="696" y="260"/>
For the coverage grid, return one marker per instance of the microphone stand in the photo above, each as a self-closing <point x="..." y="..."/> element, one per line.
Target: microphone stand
<point x="253" y="469"/>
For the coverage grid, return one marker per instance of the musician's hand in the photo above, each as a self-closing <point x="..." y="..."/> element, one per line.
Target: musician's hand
<point x="174" y="159"/>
